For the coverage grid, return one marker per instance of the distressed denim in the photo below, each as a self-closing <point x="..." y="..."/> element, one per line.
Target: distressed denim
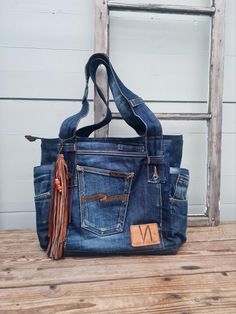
<point x="116" y="182"/>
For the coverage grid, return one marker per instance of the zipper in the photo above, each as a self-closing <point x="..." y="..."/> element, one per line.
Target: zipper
<point x="107" y="172"/>
<point x="111" y="153"/>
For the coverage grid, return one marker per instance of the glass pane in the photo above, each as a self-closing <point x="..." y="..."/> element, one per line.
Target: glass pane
<point x="162" y="57"/>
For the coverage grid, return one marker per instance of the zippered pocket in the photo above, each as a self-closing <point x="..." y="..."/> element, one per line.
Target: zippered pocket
<point x="104" y="196"/>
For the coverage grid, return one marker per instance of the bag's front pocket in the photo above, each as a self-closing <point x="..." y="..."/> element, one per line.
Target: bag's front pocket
<point x="43" y="191"/>
<point x="104" y="196"/>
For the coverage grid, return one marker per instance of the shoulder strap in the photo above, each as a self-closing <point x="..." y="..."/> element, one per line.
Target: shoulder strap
<point x="69" y="126"/>
<point x="131" y="107"/>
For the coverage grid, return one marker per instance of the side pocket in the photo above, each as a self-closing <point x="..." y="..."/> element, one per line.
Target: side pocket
<point x="178" y="202"/>
<point x="43" y="176"/>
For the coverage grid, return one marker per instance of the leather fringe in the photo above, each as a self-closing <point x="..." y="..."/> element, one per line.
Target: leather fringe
<point x="59" y="212"/>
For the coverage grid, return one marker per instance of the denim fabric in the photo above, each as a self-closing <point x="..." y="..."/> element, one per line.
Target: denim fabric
<point x="117" y="182"/>
<point x="43" y="179"/>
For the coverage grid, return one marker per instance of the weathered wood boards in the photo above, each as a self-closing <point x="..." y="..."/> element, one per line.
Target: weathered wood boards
<point x="201" y="278"/>
<point x="175" y="116"/>
<point x="215" y="108"/>
<point x="160" y="8"/>
<point x="101" y="43"/>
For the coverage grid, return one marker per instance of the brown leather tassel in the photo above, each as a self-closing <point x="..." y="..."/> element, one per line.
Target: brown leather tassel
<point x="58" y="219"/>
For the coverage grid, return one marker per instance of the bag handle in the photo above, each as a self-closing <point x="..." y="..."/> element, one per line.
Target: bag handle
<point x="131" y="107"/>
<point x="69" y="126"/>
<point x="87" y="130"/>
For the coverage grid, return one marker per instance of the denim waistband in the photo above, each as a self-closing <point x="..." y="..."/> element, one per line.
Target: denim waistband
<point x="133" y="144"/>
<point x="104" y="146"/>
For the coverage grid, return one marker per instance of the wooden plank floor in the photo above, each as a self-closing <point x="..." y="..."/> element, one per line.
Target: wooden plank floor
<point x="201" y="278"/>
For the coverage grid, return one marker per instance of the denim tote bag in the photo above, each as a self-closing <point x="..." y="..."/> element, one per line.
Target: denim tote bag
<point x="107" y="196"/>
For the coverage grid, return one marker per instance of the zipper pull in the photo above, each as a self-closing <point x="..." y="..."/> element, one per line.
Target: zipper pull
<point x="155" y="173"/>
<point x="32" y="138"/>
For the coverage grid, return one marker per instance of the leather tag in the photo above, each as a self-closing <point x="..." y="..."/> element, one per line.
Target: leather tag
<point x="143" y="235"/>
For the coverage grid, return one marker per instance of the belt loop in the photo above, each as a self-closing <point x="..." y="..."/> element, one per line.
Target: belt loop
<point x="147" y="150"/>
<point x="146" y="145"/>
<point x="61" y="145"/>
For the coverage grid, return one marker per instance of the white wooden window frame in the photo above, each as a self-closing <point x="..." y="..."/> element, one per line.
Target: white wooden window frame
<point x="214" y="115"/>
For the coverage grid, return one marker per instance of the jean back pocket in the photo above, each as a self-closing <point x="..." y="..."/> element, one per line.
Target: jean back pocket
<point x="104" y="196"/>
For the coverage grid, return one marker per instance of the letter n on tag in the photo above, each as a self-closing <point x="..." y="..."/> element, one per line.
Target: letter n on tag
<point x="143" y="235"/>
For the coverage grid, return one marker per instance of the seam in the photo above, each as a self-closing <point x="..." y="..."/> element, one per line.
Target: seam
<point x="112" y="153"/>
<point x="42" y="196"/>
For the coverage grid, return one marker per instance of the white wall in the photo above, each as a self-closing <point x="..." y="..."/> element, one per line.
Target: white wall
<point x="44" y="46"/>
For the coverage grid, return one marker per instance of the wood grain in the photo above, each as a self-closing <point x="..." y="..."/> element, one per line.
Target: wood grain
<point x="149" y="295"/>
<point x="101" y="44"/>
<point x="201" y="278"/>
<point x="174" y="116"/>
<point x="160" y="8"/>
<point x="216" y="77"/>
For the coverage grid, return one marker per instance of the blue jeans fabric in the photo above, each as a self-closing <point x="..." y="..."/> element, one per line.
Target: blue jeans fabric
<point x="116" y="182"/>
